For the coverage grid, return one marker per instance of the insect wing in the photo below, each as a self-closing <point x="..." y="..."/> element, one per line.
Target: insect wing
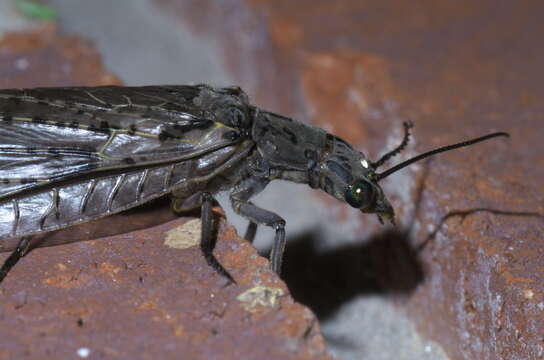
<point x="52" y="134"/>
<point x="71" y="155"/>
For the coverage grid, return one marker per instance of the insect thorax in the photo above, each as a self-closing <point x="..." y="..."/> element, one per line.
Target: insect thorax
<point x="289" y="148"/>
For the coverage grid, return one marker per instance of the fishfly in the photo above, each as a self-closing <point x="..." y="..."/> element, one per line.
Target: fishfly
<point x="70" y="155"/>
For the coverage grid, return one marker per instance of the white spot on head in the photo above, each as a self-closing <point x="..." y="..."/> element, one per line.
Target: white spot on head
<point x="83" y="352"/>
<point x="364" y="163"/>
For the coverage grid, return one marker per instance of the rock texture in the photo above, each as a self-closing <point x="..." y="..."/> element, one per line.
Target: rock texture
<point x="142" y="290"/>
<point x="466" y="259"/>
<point x="469" y="247"/>
<point x="132" y="296"/>
<point x="42" y="57"/>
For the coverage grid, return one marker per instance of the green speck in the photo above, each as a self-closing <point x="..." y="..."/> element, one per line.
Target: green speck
<point x="35" y="11"/>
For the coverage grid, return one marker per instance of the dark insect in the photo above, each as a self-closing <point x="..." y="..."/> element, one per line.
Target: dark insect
<point x="70" y="155"/>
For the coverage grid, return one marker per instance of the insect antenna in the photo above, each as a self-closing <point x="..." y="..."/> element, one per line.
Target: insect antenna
<point x="407" y="126"/>
<point x="437" y="151"/>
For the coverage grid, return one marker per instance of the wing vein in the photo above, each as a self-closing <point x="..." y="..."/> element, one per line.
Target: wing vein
<point x="53" y="206"/>
<point x="87" y="195"/>
<point x="168" y="177"/>
<point x="16" y="216"/>
<point x="140" y="188"/>
<point x="114" y="191"/>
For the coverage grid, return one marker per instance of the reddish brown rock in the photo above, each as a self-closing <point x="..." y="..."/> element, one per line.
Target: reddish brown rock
<point x="137" y="293"/>
<point x="42" y="57"/>
<point x="102" y="294"/>
<point x="474" y="217"/>
<point x="456" y="76"/>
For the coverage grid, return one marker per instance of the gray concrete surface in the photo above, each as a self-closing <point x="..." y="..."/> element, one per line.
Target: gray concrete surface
<point x="143" y="45"/>
<point x="10" y="20"/>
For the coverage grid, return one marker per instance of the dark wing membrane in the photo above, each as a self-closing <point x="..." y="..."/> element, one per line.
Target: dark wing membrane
<point x="47" y="135"/>
<point x="169" y="102"/>
<point x="173" y="97"/>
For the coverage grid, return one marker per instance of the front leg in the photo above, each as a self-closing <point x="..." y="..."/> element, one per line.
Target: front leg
<point x="207" y="239"/>
<point x="256" y="215"/>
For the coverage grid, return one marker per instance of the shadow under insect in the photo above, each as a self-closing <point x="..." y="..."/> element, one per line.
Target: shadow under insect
<point x="387" y="263"/>
<point x="324" y="280"/>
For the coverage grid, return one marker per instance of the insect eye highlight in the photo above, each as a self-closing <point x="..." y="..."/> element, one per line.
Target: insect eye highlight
<point x="360" y="194"/>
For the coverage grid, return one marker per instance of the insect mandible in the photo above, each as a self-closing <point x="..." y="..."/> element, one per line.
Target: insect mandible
<point x="70" y="155"/>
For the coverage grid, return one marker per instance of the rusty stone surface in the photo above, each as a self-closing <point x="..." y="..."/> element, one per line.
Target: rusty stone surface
<point x="130" y="293"/>
<point x="471" y="220"/>
<point x="131" y="296"/>
<point x="42" y="57"/>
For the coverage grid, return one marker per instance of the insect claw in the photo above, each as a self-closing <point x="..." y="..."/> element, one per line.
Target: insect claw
<point x="229" y="279"/>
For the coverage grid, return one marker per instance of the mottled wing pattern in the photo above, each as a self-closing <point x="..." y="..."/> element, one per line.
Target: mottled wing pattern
<point x="52" y="134"/>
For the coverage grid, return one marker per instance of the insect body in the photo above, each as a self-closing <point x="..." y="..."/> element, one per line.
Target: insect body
<point x="70" y="155"/>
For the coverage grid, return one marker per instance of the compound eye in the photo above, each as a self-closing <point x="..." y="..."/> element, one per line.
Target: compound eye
<point x="360" y="194"/>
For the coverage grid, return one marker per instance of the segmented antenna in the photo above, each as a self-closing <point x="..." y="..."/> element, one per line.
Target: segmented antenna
<point x="436" y="151"/>
<point x="407" y="126"/>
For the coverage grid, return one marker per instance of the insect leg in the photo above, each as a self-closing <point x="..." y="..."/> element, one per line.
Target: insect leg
<point x="207" y="241"/>
<point x="182" y="203"/>
<point x="251" y="231"/>
<point x="261" y="216"/>
<point x="256" y="215"/>
<point x="19" y="252"/>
